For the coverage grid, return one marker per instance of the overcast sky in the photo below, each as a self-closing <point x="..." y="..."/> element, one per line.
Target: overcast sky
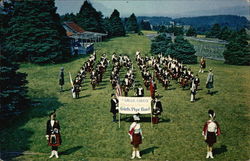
<point x="170" y="8"/>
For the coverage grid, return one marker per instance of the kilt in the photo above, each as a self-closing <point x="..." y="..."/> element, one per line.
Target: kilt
<point x="56" y="142"/>
<point x="155" y="120"/>
<point x="136" y="139"/>
<point x="211" y="138"/>
<point x="61" y="81"/>
<point x="209" y="85"/>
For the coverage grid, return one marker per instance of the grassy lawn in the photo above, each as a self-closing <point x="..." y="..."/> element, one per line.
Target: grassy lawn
<point x="87" y="129"/>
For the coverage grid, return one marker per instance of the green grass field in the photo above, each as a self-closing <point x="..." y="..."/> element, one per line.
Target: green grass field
<point x="89" y="134"/>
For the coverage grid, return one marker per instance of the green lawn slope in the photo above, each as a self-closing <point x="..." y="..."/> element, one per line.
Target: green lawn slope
<point x="87" y="129"/>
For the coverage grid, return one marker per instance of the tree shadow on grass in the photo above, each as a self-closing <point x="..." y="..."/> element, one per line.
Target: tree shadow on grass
<point x="220" y="150"/>
<point x="70" y="151"/>
<point x="149" y="150"/>
<point x="15" y="138"/>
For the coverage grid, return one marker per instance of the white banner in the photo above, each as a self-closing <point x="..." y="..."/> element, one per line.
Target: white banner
<point x="134" y="105"/>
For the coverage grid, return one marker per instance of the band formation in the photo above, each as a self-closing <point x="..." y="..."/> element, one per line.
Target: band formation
<point x="165" y="69"/>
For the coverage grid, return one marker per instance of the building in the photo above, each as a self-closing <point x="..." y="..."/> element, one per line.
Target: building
<point x="82" y="42"/>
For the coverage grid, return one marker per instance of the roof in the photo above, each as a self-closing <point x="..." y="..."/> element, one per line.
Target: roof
<point x="74" y="27"/>
<point x="69" y="33"/>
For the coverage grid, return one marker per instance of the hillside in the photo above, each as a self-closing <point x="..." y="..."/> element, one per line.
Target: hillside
<point x="87" y="129"/>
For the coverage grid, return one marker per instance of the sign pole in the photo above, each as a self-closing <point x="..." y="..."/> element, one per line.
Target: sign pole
<point x="151" y="120"/>
<point x="119" y="120"/>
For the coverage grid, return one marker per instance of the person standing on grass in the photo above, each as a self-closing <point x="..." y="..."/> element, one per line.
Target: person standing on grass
<point x="139" y="91"/>
<point x="210" y="131"/>
<point x="202" y="65"/>
<point x="135" y="133"/>
<point x="114" y="106"/>
<point x="61" y="79"/>
<point x="53" y="134"/>
<point x="193" y="91"/>
<point x="210" y="81"/>
<point x="157" y="110"/>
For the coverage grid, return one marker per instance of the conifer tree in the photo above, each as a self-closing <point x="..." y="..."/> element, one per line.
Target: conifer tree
<point x="237" y="51"/>
<point x="145" y="25"/>
<point x="36" y="34"/>
<point x="117" y="28"/>
<point x="12" y="83"/>
<point x="89" y="19"/>
<point x="191" y="32"/>
<point x="183" y="51"/>
<point x="132" y="25"/>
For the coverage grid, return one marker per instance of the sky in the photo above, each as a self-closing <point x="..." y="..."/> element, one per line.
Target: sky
<point x="169" y="8"/>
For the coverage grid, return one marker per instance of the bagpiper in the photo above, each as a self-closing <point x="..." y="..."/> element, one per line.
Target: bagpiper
<point x="135" y="133"/>
<point x="210" y="131"/>
<point x="53" y="134"/>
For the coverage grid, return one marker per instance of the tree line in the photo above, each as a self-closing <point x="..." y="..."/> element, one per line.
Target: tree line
<point x="237" y="50"/>
<point x="178" y="48"/>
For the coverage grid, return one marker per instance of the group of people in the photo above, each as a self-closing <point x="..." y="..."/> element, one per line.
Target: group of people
<point x="164" y="69"/>
<point x="119" y="62"/>
<point x="211" y="130"/>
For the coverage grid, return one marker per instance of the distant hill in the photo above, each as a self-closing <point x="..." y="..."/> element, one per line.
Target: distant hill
<point x="203" y="23"/>
<point x="231" y="21"/>
<point x="155" y="20"/>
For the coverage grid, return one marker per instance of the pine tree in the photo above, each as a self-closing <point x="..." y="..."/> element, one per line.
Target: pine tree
<point x="116" y="24"/>
<point x="89" y="19"/>
<point x="191" y="32"/>
<point x="36" y="34"/>
<point x="160" y="44"/>
<point x="145" y="25"/>
<point x="12" y="83"/>
<point x="183" y="51"/>
<point x="132" y="25"/>
<point x="237" y="51"/>
<point x="214" y="32"/>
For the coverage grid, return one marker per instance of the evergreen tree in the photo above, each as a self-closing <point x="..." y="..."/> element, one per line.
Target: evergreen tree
<point x="12" y="83"/>
<point x="89" y="19"/>
<point x="145" y="25"/>
<point x="160" y="44"/>
<point x="237" y="51"/>
<point x="36" y="34"/>
<point x="214" y="32"/>
<point x="132" y="25"/>
<point x="183" y="51"/>
<point x="225" y="33"/>
<point x="191" y="32"/>
<point x="117" y="28"/>
<point x="69" y="17"/>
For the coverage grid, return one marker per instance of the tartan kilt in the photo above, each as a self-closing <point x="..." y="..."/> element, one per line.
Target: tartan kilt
<point x="58" y="140"/>
<point x="209" y="85"/>
<point x="211" y="138"/>
<point x="136" y="139"/>
<point x="61" y="81"/>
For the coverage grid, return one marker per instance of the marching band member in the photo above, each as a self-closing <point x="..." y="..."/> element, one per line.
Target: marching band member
<point x="53" y="134"/>
<point x="210" y="131"/>
<point x="202" y="65"/>
<point x="157" y="110"/>
<point x="61" y="79"/>
<point x="193" y="91"/>
<point x="114" y="106"/>
<point x="135" y="133"/>
<point x="140" y="91"/>
<point x="210" y="81"/>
